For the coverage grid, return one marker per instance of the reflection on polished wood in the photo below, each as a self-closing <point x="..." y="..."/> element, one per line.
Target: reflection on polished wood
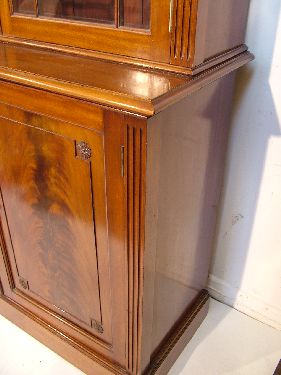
<point x="185" y="158"/>
<point x="120" y="86"/>
<point x="88" y="72"/>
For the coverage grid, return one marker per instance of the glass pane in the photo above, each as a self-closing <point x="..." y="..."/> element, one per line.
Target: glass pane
<point x="135" y="13"/>
<point x="102" y="11"/>
<point x="24" y="6"/>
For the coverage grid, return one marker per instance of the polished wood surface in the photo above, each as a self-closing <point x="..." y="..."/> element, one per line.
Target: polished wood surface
<point x="88" y="73"/>
<point x="171" y="34"/>
<point x="120" y="86"/>
<point x="137" y="62"/>
<point x="185" y="168"/>
<point x="227" y="30"/>
<point x="49" y="220"/>
<point x="179" y="337"/>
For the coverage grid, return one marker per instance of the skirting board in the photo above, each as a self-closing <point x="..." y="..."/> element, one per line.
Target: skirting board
<point x="244" y="302"/>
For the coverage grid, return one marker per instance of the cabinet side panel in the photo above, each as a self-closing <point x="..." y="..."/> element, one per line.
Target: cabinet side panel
<point x="186" y="149"/>
<point x="221" y="27"/>
<point x="151" y="215"/>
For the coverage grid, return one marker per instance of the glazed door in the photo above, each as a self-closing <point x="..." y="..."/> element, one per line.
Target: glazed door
<point x="55" y="248"/>
<point x="142" y="27"/>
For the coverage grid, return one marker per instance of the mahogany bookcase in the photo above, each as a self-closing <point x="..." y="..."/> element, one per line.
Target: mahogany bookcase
<point x="114" y="118"/>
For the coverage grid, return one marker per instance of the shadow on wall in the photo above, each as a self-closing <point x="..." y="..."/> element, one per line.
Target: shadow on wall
<point x="254" y="123"/>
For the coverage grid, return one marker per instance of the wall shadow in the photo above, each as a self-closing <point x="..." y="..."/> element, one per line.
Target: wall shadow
<point x="248" y="144"/>
<point x="254" y="123"/>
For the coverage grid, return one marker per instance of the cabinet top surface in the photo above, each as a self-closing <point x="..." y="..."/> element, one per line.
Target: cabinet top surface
<point x="116" y="85"/>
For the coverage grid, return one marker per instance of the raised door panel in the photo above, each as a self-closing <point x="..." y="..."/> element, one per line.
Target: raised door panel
<point x="55" y="260"/>
<point x="49" y="213"/>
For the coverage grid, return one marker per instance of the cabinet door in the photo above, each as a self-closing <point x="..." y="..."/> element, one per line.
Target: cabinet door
<point x="55" y="260"/>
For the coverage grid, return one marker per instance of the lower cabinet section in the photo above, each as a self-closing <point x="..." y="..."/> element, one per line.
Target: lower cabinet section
<point x="107" y="222"/>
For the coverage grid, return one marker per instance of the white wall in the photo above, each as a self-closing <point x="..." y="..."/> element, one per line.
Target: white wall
<point x="246" y="270"/>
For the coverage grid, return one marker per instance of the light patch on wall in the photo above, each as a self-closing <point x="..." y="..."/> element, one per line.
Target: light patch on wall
<point x="275" y="73"/>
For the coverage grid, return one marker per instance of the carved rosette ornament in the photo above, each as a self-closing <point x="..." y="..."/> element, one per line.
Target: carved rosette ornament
<point x="83" y="151"/>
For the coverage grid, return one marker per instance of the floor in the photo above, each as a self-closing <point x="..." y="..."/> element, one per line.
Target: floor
<point x="227" y="343"/>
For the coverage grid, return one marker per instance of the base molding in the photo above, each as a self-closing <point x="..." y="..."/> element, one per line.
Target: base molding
<point x="179" y="337"/>
<point x="73" y="352"/>
<point x="160" y="364"/>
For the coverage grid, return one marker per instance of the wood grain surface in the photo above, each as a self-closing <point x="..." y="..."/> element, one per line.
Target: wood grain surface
<point x="51" y="219"/>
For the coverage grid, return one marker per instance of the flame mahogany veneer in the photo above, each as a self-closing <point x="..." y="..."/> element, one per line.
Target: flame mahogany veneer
<point x="110" y="177"/>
